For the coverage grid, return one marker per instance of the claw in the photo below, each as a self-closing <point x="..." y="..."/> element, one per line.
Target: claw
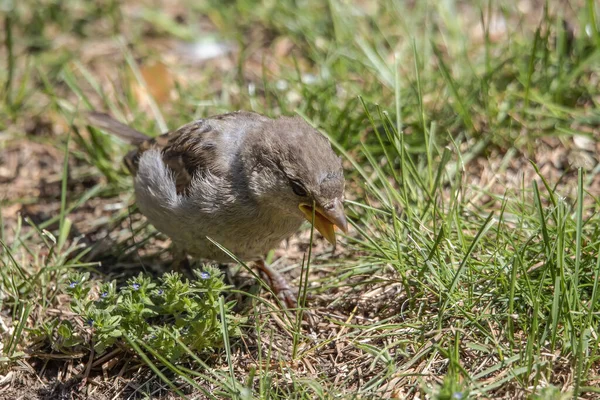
<point x="278" y="284"/>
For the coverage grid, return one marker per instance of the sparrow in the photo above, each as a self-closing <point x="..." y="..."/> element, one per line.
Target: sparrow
<point x="240" y="179"/>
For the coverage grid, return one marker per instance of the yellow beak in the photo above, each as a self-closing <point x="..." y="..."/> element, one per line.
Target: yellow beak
<point x="326" y="218"/>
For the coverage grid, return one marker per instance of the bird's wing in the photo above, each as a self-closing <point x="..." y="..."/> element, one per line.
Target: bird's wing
<point x="202" y="146"/>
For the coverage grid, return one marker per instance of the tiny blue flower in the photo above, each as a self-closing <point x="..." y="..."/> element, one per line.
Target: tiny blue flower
<point x="204" y="275"/>
<point x="104" y="295"/>
<point x="457" y="395"/>
<point x="136" y="286"/>
<point x="73" y="284"/>
<point x="160" y="292"/>
<point x="90" y="322"/>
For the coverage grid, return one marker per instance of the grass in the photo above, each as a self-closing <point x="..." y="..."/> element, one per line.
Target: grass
<point x="469" y="132"/>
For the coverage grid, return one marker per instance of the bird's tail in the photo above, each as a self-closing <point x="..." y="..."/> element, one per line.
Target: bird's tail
<point x="109" y="124"/>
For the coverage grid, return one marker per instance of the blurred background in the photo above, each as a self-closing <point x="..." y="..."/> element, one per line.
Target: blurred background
<point x="478" y="71"/>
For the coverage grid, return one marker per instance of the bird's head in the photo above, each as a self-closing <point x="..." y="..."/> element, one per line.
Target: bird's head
<point x="290" y="166"/>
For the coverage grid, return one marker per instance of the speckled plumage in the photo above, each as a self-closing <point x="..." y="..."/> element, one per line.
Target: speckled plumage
<point x="229" y="178"/>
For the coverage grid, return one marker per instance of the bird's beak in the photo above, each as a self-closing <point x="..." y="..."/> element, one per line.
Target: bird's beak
<point x="326" y="218"/>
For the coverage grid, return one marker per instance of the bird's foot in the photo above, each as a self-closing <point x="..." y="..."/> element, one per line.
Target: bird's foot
<point x="182" y="265"/>
<point x="278" y="284"/>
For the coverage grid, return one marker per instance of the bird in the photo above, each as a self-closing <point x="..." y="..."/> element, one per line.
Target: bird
<point x="240" y="179"/>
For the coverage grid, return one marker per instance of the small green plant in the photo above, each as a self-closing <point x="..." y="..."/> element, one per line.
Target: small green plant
<point x="551" y="393"/>
<point x="451" y="389"/>
<point x="159" y="314"/>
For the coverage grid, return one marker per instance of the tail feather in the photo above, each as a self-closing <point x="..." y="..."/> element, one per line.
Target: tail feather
<point x="108" y="123"/>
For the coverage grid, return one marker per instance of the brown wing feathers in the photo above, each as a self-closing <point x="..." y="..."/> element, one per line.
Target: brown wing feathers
<point x="184" y="151"/>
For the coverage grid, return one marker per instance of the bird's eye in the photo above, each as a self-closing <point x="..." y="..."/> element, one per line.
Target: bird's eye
<point x="298" y="188"/>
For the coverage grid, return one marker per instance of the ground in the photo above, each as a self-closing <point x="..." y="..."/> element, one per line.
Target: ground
<point x="469" y="133"/>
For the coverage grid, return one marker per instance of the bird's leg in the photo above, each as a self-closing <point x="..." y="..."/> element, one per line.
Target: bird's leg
<point x="278" y="284"/>
<point x="181" y="263"/>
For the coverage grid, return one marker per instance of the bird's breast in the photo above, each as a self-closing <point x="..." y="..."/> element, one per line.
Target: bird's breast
<point x="212" y="210"/>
